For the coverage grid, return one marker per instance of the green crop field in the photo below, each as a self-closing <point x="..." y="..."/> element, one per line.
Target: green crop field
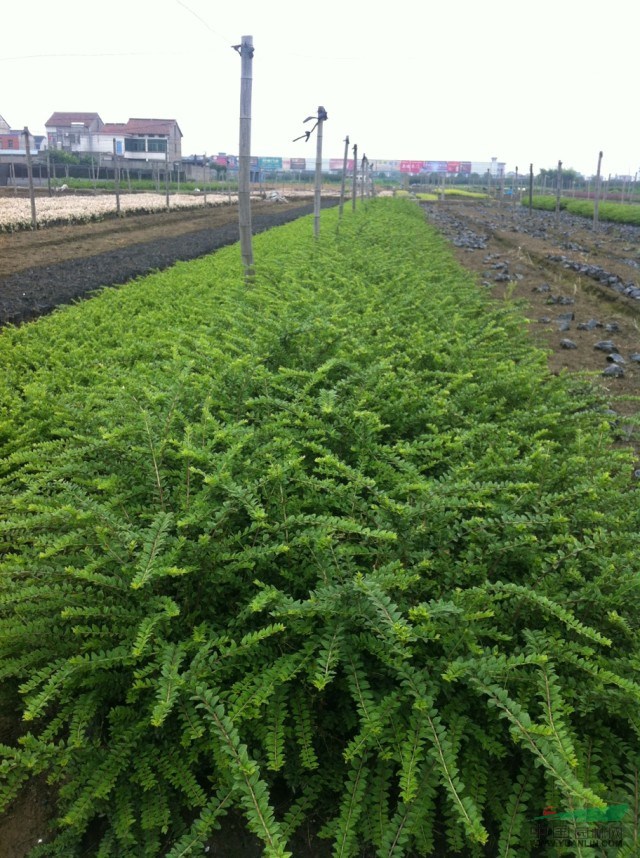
<point x="614" y="212"/>
<point x="332" y="553"/>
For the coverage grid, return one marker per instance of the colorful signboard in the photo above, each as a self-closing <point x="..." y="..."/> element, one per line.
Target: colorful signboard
<point x="435" y="167"/>
<point x="413" y="167"/>
<point x="386" y="166"/>
<point x="451" y="168"/>
<point x="270" y="164"/>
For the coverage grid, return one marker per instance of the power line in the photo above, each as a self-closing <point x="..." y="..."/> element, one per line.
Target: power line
<point x="86" y="56"/>
<point x="202" y="21"/>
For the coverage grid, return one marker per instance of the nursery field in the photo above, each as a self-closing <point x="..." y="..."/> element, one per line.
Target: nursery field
<point x="579" y="289"/>
<point x="328" y="563"/>
<point x="57" y="264"/>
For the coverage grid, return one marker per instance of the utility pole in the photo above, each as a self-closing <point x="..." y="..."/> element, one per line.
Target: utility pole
<point x="245" y="49"/>
<point x="558" y="189"/>
<point x="34" y="220"/>
<point x="320" y="118"/>
<point x="344" y="173"/>
<point x="596" y="198"/>
<point x="355" y="176"/>
<point x="116" y="176"/>
<point x="166" y="175"/>
<point x="530" y="188"/>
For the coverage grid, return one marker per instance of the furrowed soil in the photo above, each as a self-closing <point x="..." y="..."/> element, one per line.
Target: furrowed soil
<point x="576" y="286"/>
<point x="43" y="269"/>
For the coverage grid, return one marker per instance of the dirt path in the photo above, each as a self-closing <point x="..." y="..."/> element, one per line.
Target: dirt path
<point x="579" y="288"/>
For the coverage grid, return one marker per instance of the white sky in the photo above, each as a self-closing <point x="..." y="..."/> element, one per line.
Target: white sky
<point x="527" y="81"/>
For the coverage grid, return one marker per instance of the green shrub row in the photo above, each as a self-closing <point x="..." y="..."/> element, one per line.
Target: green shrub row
<point x="614" y="212"/>
<point x="143" y="185"/>
<point x="332" y="551"/>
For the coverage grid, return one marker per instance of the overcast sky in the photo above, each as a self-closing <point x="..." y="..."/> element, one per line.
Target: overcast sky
<point x="526" y="82"/>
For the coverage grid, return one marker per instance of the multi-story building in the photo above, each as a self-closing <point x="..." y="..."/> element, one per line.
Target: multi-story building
<point x="136" y="140"/>
<point x="13" y="142"/>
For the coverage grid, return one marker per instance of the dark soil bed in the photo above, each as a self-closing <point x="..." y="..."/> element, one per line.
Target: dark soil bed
<point x="57" y="265"/>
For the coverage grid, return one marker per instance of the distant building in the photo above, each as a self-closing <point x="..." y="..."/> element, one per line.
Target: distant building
<point x="148" y="139"/>
<point x="135" y="140"/>
<point x="12" y="140"/>
<point x="73" y="132"/>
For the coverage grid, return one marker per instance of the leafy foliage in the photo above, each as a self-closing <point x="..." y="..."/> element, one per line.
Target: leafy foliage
<point x="607" y="211"/>
<point x="333" y="551"/>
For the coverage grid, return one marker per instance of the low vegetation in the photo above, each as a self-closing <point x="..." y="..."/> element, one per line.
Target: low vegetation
<point x="333" y="551"/>
<point x="128" y="184"/>
<point x="15" y="214"/>
<point x="614" y="212"/>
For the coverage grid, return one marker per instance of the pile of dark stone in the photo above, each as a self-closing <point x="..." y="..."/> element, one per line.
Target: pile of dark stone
<point x="599" y="274"/>
<point x="455" y="230"/>
<point x="616" y="361"/>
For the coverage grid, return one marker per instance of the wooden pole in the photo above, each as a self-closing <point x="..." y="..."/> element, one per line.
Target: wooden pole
<point x="322" y="116"/>
<point x="596" y="196"/>
<point x="355" y="176"/>
<point x="48" y="173"/>
<point x="363" y="173"/>
<point x="116" y="177"/>
<point x="34" y="220"/>
<point x="166" y="174"/>
<point x="558" y="190"/>
<point x="530" y="188"/>
<point x="204" y="176"/>
<point x="344" y="174"/>
<point x="245" y="49"/>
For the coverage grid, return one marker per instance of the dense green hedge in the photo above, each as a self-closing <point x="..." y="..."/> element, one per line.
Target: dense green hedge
<point x="334" y="551"/>
<point x="145" y="185"/>
<point x="615" y="212"/>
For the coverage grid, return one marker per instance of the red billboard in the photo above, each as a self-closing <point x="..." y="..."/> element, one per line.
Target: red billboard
<point x="411" y="166"/>
<point x="336" y="164"/>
